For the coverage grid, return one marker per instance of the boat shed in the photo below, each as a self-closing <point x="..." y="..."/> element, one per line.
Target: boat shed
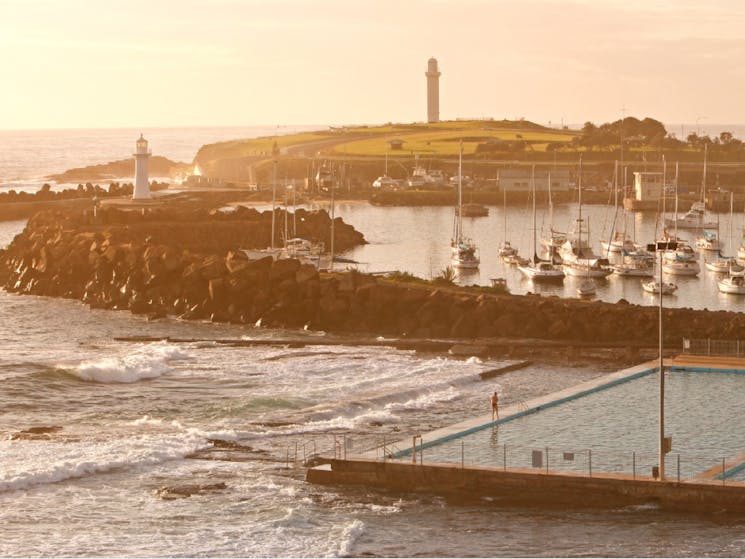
<point x="517" y="179"/>
<point x="647" y="186"/>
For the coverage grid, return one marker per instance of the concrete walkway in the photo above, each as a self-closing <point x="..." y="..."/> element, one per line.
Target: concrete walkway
<point x="731" y="466"/>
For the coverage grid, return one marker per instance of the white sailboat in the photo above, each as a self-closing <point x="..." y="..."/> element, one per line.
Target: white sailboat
<point x="587" y="288"/>
<point x="726" y="264"/>
<point x="539" y="270"/>
<point x="733" y="284"/>
<point x="654" y="286"/>
<point x="576" y="254"/>
<point x="552" y="243"/>
<point x="635" y="265"/>
<point x="683" y="261"/>
<point x="506" y="251"/>
<point x="619" y="241"/>
<point x="695" y="217"/>
<point x="463" y="251"/>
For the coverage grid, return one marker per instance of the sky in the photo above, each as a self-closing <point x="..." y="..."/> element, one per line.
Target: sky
<point x="111" y="63"/>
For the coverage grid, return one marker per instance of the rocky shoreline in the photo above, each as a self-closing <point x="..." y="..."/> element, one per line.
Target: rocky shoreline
<point x="188" y="262"/>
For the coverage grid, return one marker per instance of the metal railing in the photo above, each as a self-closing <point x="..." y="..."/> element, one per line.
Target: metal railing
<point x="717" y="348"/>
<point x="683" y="466"/>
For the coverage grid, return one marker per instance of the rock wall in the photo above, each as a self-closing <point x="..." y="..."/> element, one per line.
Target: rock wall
<point x="188" y="264"/>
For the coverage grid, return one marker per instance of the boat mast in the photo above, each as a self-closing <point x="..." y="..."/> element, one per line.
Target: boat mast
<point x="333" y="211"/>
<point x="274" y="198"/>
<point x="579" y="218"/>
<point x="731" y="215"/>
<point x="460" y="192"/>
<point x="703" y="177"/>
<point x="676" y="200"/>
<point x="615" y="213"/>
<point x="664" y="191"/>
<point x="504" y="196"/>
<point x="535" y="250"/>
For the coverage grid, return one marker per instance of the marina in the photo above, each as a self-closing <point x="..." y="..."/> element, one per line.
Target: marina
<point x="412" y="240"/>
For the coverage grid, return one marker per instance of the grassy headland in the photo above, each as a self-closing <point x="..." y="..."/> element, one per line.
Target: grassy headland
<point x="488" y="145"/>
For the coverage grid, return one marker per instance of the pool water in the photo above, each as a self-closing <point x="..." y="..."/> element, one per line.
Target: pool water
<point x="616" y="430"/>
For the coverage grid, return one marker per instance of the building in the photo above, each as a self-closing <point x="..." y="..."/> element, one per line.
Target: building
<point x="433" y="91"/>
<point x="396" y="144"/>
<point x="141" y="155"/>
<point x="647" y="186"/>
<point x="517" y="179"/>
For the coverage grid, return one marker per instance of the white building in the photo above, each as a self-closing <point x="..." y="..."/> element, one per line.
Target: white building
<point x="518" y="179"/>
<point x="647" y="186"/>
<point x="141" y="155"/>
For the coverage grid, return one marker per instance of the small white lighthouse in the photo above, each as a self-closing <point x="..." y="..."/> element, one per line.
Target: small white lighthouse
<point x="142" y="186"/>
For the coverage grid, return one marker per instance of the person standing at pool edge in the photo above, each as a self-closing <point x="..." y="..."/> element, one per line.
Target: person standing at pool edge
<point x="494" y="406"/>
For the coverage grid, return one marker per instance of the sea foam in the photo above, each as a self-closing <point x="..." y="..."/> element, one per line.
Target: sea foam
<point x="37" y="463"/>
<point x="350" y="534"/>
<point x="144" y="362"/>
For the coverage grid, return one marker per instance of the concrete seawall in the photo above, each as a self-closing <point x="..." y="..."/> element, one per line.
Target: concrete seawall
<point x="532" y="487"/>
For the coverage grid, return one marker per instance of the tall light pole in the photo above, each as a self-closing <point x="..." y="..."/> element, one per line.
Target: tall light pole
<point x="660" y="247"/>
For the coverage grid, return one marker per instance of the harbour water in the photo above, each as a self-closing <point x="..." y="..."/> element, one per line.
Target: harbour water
<point x="417" y="240"/>
<point x="132" y="419"/>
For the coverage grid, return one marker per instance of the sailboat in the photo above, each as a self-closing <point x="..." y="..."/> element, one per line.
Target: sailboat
<point x="709" y="240"/>
<point x="654" y="286"/>
<point x="587" y="288"/>
<point x="506" y="250"/>
<point x="576" y="253"/>
<point x="683" y="260"/>
<point x="695" y="217"/>
<point x="539" y="270"/>
<point x="463" y="251"/>
<point x="618" y="242"/>
<point x="552" y="243"/>
<point x="726" y="264"/>
<point x="733" y="284"/>
<point x="636" y="262"/>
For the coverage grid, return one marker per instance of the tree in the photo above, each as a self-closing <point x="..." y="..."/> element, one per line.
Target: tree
<point x="589" y="129"/>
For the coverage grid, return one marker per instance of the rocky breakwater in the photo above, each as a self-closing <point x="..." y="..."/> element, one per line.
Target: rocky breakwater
<point x="188" y="263"/>
<point x="185" y="262"/>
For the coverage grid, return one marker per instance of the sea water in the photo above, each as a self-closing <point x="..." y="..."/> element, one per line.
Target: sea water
<point x="133" y="418"/>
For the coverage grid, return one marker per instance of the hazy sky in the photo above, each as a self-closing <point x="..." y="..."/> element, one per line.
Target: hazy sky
<point x="102" y="63"/>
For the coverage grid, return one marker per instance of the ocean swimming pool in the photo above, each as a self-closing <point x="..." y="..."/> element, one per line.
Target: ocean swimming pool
<point x="615" y="430"/>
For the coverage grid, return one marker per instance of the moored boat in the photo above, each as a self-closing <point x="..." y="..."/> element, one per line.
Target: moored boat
<point x="654" y="286"/>
<point x="587" y="288"/>
<point x="733" y="284"/>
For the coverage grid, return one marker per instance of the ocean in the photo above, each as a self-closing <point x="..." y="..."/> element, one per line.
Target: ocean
<point x="133" y="426"/>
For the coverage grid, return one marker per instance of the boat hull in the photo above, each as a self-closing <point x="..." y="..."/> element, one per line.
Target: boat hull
<point x="655" y="288"/>
<point x="690" y="268"/>
<point x="631" y="272"/>
<point x="728" y="286"/>
<point x="583" y="272"/>
<point x="542" y="275"/>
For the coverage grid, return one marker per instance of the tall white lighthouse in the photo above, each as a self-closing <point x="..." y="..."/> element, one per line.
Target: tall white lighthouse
<point x="433" y="91"/>
<point x="141" y="155"/>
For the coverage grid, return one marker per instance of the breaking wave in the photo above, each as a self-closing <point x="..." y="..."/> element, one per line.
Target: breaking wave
<point x="27" y="463"/>
<point x="145" y="362"/>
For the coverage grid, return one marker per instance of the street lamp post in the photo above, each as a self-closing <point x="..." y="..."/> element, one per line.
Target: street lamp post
<point x="660" y="247"/>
